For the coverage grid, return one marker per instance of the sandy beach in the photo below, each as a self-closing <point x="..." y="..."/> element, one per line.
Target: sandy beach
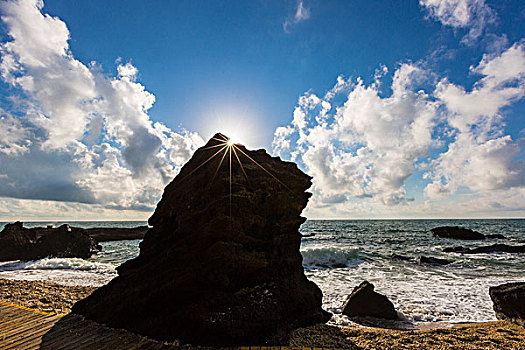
<point x="50" y="297"/>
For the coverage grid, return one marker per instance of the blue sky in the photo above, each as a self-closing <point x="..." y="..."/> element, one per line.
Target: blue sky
<point x="399" y="109"/>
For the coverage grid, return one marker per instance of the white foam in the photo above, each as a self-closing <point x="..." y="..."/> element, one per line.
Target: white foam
<point x="58" y="270"/>
<point x="329" y="256"/>
<point x="420" y="294"/>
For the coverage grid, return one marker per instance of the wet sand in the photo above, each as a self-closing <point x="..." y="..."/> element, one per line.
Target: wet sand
<point x="50" y="297"/>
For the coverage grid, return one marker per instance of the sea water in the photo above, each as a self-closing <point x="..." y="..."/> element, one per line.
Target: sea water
<point x="339" y="255"/>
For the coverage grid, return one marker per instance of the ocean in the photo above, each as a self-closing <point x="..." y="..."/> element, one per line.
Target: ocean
<point x="341" y="254"/>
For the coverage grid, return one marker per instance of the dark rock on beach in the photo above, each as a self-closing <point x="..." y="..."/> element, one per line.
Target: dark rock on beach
<point x="364" y="301"/>
<point x="221" y="264"/>
<point x="456" y="232"/>
<point x="494" y="248"/>
<point x="20" y="243"/>
<point x="103" y="234"/>
<point x="433" y="261"/>
<point x="509" y="302"/>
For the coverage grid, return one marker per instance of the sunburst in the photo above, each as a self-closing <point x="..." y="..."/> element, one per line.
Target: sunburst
<point x="225" y="148"/>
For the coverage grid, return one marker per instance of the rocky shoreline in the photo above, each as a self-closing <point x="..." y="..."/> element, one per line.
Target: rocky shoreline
<point x="50" y="297"/>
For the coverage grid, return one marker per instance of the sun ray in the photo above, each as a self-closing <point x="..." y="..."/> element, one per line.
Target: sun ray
<point x="238" y="160"/>
<point x="214" y="146"/>
<point x="218" y="167"/>
<point x="206" y="161"/>
<point x="230" y="150"/>
<point x="263" y="168"/>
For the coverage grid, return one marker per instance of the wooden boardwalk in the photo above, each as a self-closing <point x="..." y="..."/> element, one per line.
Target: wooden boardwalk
<point x="23" y="328"/>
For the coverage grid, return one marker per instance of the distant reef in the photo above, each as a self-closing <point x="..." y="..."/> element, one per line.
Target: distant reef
<point x="456" y="233"/>
<point x="104" y="234"/>
<point x="20" y="243"/>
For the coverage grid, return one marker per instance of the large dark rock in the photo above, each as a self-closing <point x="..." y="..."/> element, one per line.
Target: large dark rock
<point x="364" y="301"/>
<point x="494" y="248"/>
<point x="221" y="264"/>
<point x="456" y="232"/>
<point x="509" y="302"/>
<point x="20" y="243"/>
<point x="103" y="234"/>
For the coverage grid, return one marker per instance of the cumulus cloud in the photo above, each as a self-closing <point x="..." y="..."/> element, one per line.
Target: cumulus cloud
<point x="481" y="157"/>
<point x="302" y="13"/>
<point x="473" y="15"/>
<point x="79" y="135"/>
<point x="367" y="147"/>
<point x="368" y="144"/>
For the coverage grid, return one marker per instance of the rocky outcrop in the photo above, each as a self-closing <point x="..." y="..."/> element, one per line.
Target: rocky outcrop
<point x="20" y="243"/>
<point x="221" y="264"/>
<point x="495" y="248"/>
<point x="509" y="302"/>
<point x="456" y="232"/>
<point x="364" y="301"/>
<point x="103" y="234"/>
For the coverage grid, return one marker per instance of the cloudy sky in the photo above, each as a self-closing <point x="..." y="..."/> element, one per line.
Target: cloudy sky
<point x="398" y="109"/>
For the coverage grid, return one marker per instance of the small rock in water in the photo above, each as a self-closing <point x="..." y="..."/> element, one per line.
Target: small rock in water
<point x="494" y="248"/>
<point x="495" y="236"/>
<point x="433" y="261"/>
<point x="364" y="301"/>
<point x="509" y="302"/>
<point x="457" y="249"/>
<point x="400" y="257"/>
<point x="456" y="232"/>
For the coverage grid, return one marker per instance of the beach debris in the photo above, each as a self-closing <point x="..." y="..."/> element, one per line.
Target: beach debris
<point x="221" y="264"/>
<point x="364" y="301"/>
<point x="494" y="248"/>
<point x="509" y="302"/>
<point x="456" y="232"/>
<point x="20" y="243"/>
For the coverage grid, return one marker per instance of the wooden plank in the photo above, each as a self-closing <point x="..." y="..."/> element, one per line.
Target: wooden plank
<point x="17" y="343"/>
<point x="19" y="327"/>
<point x="17" y="315"/>
<point x="31" y="325"/>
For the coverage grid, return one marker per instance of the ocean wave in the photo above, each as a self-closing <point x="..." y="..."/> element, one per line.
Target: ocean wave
<point x="57" y="264"/>
<point x="329" y="257"/>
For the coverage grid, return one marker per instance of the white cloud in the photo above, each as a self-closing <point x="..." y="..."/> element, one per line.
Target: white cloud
<point x="362" y="151"/>
<point x="79" y="135"/>
<point x="481" y="157"/>
<point x="302" y="13"/>
<point x="473" y="15"/>
<point x="369" y="145"/>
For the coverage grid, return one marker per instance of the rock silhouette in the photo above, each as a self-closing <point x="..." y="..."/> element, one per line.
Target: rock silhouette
<point x="364" y="301"/>
<point x="20" y="243"/>
<point x="221" y="264"/>
<point x="509" y="302"/>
